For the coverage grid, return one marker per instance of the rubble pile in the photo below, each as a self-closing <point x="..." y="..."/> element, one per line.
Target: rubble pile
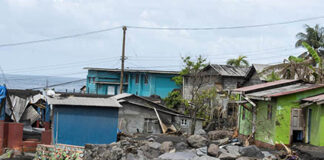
<point x="196" y="147"/>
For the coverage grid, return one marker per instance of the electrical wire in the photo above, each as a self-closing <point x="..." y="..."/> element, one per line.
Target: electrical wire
<point x="226" y="28"/>
<point x="58" y="38"/>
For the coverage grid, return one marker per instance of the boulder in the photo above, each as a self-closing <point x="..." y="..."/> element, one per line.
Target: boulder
<point x="227" y="156"/>
<point x="220" y="141"/>
<point x="219" y="134"/>
<point x="166" y="147"/>
<point x="201" y="132"/>
<point x="197" y="141"/>
<point x="154" y="145"/>
<point x="268" y="155"/>
<point x="251" y="151"/>
<point x="213" y="150"/>
<point x="177" y="156"/>
<point x="181" y="146"/>
<point x="233" y="150"/>
<point x="201" y="151"/>
<point x="205" y="157"/>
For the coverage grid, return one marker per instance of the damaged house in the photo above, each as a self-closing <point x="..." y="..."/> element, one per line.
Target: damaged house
<point x="281" y="112"/>
<point x="140" y="115"/>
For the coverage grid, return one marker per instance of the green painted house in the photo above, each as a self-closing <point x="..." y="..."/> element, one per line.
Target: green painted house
<point x="280" y="114"/>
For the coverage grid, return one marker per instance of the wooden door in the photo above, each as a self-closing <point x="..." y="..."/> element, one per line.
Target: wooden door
<point x="297" y="119"/>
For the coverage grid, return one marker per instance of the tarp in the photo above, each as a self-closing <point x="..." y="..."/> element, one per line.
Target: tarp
<point x="3" y="93"/>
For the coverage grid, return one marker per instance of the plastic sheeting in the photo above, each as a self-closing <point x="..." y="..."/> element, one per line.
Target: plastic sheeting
<point x="3" y="93"/>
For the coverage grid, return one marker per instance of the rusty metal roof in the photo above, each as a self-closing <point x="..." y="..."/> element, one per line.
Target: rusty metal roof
<point x="232" y="71"/>
<point x="132" y="70"/>
<point x="314" y="98"/>
<point x="284" y="90"/>
<point x="266" y="85"/>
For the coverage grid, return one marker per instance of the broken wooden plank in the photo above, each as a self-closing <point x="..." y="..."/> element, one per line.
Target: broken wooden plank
<point x="164" y="128"/>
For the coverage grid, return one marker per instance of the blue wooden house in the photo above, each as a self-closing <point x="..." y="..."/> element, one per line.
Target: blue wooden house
<point x="80" y="120"/>
<point x="139" y="82"/>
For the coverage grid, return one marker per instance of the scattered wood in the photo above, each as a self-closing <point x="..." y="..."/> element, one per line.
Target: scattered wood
<point x="163" y="126"/>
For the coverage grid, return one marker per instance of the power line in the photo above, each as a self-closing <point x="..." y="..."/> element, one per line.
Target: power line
<point x="58" y="38"/>
<point x="60" y="84"/>
<point x="230" y="27"/>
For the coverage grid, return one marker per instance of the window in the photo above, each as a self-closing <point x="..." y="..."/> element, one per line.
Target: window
<point x="183" y="122"/>
<point x="243" y="113"/>
<point x="126" y="78"/>
<point x="269" y="111"/>
<point x="145" y="79"/>
<point x="111" y="90"/>
<point x="136" y="78"/>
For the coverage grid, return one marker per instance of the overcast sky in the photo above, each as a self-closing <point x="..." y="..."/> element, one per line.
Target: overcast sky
<point x="26" y="20"/>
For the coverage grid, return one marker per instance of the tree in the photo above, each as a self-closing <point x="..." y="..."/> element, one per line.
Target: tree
<point x="198" y="101"/>
<point x="313" y="36"/>
<point x="239" y="62"/>
<point x="273" y="77"/>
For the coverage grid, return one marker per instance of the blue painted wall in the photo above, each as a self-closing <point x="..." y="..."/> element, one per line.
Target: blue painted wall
<point x="79" y="125"/>
<point x="158" y="84"/>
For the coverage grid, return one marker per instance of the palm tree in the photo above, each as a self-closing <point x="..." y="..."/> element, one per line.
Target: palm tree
<point x="239" y="62"/>
<point x="313" y="36"/>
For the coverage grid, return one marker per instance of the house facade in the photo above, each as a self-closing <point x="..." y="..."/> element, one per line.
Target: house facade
<point x="275" y="109"/>
<point x="139" y="82"/>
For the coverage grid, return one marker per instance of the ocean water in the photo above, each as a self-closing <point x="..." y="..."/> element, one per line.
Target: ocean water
<point x="60" y="84"/>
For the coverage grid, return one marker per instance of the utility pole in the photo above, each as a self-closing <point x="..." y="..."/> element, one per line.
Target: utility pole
<point x="122" y="62"/>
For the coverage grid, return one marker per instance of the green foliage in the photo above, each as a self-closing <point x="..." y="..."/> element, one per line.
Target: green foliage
<point x="312" y="52"/>
<point x="295" y="59"/>
<point x="273" y="77"/>
<point x="173" y="100"/>
<point x="239" y="62"/>
<point x="191" y="67"/>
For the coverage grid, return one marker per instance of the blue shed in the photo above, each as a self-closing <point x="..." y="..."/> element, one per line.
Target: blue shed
<point x="84" y="120"/>
<point x="106" y="81"/>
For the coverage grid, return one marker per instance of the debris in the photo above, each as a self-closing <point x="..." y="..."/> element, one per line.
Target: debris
<point x="181" y="146"/>
<point x="201" y="132"/>
<point x="205" y="157"/>
<point x="220" y="141"/>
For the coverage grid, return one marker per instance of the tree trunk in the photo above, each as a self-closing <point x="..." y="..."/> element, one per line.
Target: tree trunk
<point x="193" y="124"/>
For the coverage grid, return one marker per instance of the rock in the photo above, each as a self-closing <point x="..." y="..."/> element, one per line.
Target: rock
<point x="177" y="156"/>
<point x="251" y="151"/>
<point x="154" y="145"/>
<point x="227" y="156"/>
<point x="268" y="155"/>
<point x="219" y="134"/>
<point x="233" y="150"/>
<point x="114" y="154"/>
<point x="205" y="157"/>
<point x="213" y="150"/>
<point x="220" y="141"/>
<point x="197" y="141"/>
<point x="201" y="151"/>
<point x="200" y="132"/>
<point x="166" y="147"/>
<point x="181" y="146"/>
<point x="151" y="140"/>
<point x="246" y="158"/>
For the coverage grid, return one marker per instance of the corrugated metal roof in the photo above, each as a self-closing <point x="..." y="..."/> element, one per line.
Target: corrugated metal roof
<point x="265" y="85"/>
<point x="314" y="98"/>
<point x="132" y="70"/>
<point x="284" y="90"/>
<point x="84" y="101"/>
<point x="228" y="70"/>
<point x="260" y="67"/>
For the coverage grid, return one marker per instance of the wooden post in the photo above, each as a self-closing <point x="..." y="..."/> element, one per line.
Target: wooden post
<point x="122" y="62"/>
